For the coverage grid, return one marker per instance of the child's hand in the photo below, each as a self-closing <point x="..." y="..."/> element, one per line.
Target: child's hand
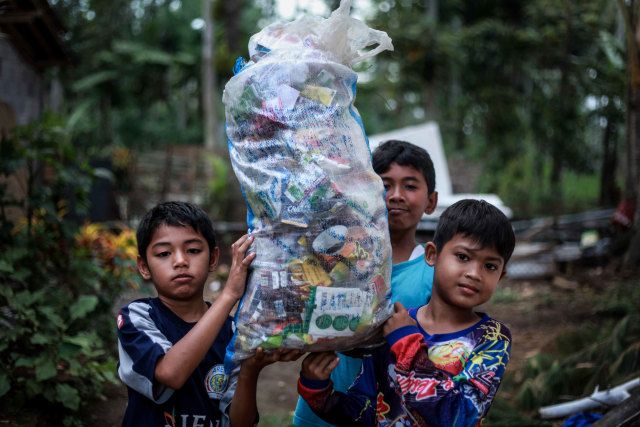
<point x="239" y="266"/>
<point x="262" y="358"/>
<point x="399" y="319"/>
<point x="318" y="366"/>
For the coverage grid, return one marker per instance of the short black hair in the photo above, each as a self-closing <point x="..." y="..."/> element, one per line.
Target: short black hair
<point x="480" y="221"/>
<point x="177" y="214"/>
<point x="405" y="154"/>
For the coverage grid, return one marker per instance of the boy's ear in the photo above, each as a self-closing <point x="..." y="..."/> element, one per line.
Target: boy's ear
<point x="430" y="253"/>
<point x="432" y="202"/>
<point x="504" y="273"/>
<point x="143" y="268"/>
<point x="214" y="258"/>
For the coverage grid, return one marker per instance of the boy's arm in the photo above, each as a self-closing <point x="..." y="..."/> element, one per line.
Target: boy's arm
<point x="244" y="410"/>
<point x="179" y="362"/>
<point x="439" y="397"/>
<point x="357" y="407"/>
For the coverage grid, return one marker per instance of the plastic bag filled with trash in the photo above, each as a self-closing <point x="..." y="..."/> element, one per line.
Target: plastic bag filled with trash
<point x="321" y="277"/>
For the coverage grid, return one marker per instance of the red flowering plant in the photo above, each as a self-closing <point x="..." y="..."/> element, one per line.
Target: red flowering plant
<point x="114" y="248"/>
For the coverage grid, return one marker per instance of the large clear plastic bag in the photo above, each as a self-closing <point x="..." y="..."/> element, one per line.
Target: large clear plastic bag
<point x="321" y="277"/>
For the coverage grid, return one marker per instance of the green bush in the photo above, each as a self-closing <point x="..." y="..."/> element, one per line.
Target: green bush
<point x="56" y="293"/>
<point x="528" y="192"/>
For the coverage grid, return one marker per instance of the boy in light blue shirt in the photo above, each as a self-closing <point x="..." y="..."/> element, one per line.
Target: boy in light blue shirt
<point x="409" y="179"/>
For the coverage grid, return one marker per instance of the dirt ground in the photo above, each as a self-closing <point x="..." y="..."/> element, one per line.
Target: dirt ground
<point x="535" y="311"/>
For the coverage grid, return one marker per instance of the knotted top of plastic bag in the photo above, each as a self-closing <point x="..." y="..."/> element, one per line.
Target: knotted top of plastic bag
<point x="340" y="37"/>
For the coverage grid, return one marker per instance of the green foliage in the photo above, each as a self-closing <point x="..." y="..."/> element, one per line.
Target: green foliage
<point x="217" y="200"/>
<point x="136" y="82"/>
<point x="524" y="184"/>
<point x="533" y="92"/>
<point x="623" y="299"/>
<point x="56" y="296"/>
<point x="612" y="48"/>
<point x="580" y="191"/>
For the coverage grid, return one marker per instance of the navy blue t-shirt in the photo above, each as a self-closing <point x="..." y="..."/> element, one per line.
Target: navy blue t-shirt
<point x="146" y="331"/>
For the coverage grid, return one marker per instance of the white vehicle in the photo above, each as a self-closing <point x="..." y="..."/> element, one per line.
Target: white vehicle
<point x="427" y="136"/>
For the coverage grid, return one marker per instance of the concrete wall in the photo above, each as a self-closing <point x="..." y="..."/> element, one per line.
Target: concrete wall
<point x="20" y="85"/>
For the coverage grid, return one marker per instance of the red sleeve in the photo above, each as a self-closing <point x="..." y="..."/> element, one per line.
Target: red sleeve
<point x="406" y="349"/>
<point x="315" y="397"/>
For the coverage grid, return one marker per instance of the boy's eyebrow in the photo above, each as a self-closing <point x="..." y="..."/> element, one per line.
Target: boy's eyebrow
<point x="195" y="240"/>
<point x="496" y="258"/>
<point x="404" y="178"/>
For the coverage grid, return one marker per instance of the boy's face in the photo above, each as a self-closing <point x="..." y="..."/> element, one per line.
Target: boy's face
<point x="466" y="274"/>
<point x="407" y="197"/>
<point x="178" y="263"/>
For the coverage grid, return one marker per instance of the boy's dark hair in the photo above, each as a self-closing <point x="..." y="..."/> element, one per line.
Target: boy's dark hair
<point x="480" y="221"/>
<point x="177" y="214"/>
<point x="405" y="154"/>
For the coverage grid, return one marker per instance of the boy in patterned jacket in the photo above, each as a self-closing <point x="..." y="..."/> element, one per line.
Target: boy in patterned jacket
<point x="443" y="362"/>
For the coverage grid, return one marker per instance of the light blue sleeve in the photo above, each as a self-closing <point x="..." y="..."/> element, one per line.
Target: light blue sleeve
<point x="304" y="416"/>
<point x="411" y="282"/>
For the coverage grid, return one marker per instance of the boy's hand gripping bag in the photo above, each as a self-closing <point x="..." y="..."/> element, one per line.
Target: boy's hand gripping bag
<point x="321" y="277"/>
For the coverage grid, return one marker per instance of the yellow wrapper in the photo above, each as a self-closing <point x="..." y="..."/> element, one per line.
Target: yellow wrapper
<point x="318" y="93"/>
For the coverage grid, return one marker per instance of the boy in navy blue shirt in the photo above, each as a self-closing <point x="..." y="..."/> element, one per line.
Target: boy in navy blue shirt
<point x="172" y="347"/>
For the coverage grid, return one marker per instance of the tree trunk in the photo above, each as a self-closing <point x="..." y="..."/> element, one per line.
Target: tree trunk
<point x="566" y="116"/>
<point x="454" y="110"/>
<point x="632" y="257"/>
<point x="432" y="11"/>
<point x="232" y="18"/>
<point x="165" y="186"/>
<point x="105" y="118"/>
<point x="430" y="104"/>
<point x="209" y="86"/>
<point x="608" y="189"/>
<point x="629" y="10"/>
<point x="430" y="91"/>
<point x="555" y="180"/>
<point x="56" y="94"/>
